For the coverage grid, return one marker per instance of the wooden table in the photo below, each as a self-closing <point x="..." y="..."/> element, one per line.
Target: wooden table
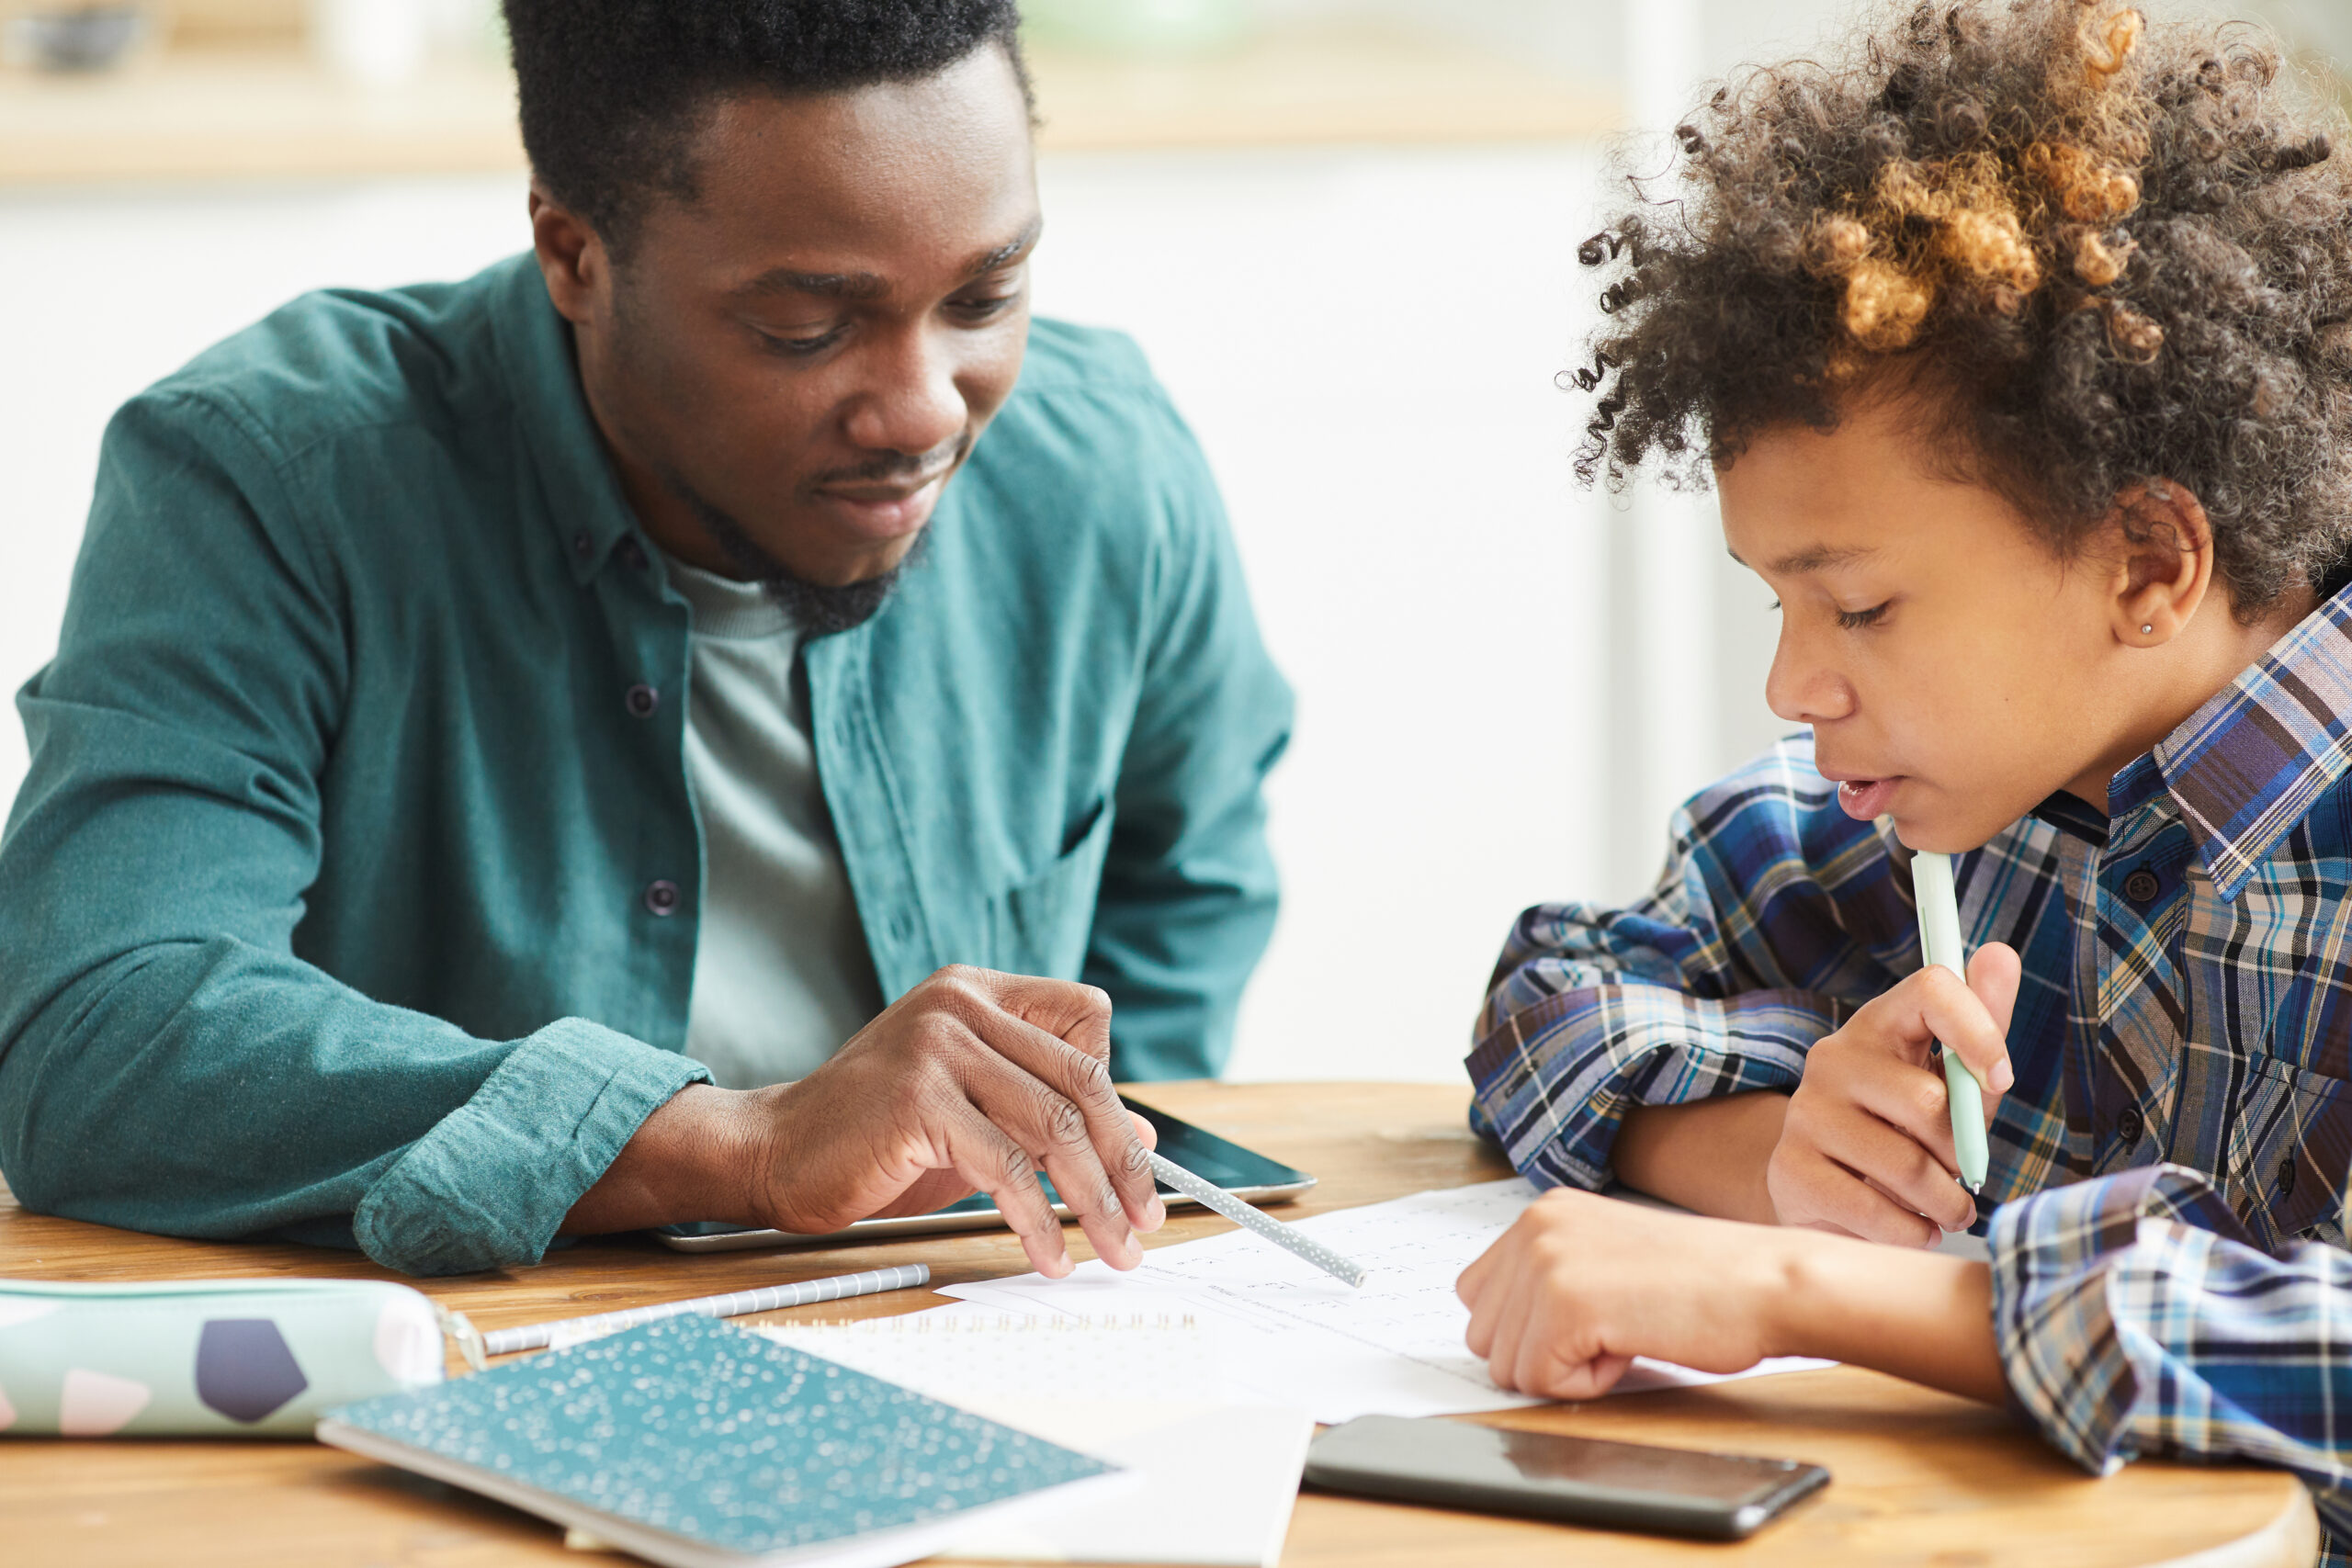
<point x="1921" y="1478"/>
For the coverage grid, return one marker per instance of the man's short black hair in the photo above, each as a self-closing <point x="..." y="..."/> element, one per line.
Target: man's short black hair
<point x="611" y="89"/>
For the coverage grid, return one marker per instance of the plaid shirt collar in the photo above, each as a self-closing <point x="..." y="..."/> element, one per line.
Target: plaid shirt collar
<point x="2249" y="764"/>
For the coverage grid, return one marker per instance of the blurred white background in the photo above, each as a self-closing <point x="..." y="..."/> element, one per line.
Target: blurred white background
<point x="1504" y="682"/>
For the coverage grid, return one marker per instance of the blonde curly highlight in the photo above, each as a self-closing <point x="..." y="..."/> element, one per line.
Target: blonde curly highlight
<point x="2107" y="251"/>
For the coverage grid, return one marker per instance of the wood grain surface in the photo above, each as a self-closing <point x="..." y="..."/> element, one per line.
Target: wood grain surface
<point x="1920" y="1478"/>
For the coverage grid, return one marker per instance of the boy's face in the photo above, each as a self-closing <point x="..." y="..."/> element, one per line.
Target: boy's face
<point x="1954" y="671"/>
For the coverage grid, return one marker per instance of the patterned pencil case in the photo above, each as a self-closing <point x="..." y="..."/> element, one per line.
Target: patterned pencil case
<point x="207" y="1358"/>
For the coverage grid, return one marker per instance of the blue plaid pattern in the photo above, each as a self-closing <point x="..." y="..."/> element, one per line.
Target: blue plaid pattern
<point x="2165" y="1204"/>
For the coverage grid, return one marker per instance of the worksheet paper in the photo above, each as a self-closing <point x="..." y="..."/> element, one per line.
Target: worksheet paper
<point x="1102" y="1389"/>
<point x="1293" y="1336"/>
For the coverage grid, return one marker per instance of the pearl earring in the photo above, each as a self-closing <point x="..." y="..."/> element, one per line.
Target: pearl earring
<point x="2148" y="631"/>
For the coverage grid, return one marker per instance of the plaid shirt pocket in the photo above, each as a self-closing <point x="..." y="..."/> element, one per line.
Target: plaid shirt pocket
<point x="2287" y="1147"/>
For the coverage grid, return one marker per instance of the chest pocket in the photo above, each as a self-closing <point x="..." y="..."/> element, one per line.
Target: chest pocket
<point x="2288" y="1152"/>
<point x="1041" y="927"/>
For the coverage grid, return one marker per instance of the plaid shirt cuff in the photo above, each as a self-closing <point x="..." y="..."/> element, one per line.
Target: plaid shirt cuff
<point x="2135" y="1316"/>
<point x="2073" y="1364"/>
<point x="1553" y="1081"/>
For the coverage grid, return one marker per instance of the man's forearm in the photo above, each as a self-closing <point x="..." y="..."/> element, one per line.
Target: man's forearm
<point x="1922" y="1316"/>
<point x="1708" y="1156"/>
<point x="693" y="1159"/>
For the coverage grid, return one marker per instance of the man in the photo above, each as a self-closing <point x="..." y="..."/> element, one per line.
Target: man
<point x="506" y="736"/>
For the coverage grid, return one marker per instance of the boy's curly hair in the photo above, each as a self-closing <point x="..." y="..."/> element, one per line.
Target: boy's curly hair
<point x="2103" y="252"/>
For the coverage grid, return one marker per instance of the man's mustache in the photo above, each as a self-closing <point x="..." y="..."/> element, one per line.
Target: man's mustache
<point x="892" y="467"/>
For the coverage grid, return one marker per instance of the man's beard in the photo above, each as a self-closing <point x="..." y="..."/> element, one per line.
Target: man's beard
<point x="817" y="609"/>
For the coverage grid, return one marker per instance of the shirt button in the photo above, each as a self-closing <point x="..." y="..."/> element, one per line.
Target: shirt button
<point x="2140" y="886"/>
<point x="902" y="927"/>
<point x="2287" y="1177"/>
<point x="634" y="554"/>
<point x="2128" y="1127"/>
<point x="662" y="897"/>
<point x="582" y="546"/>
<point x="642" y="700"/>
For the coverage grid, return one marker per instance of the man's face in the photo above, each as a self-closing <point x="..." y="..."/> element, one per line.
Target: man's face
<point x="1955" y="671"/>
<point x="809" y="348"/>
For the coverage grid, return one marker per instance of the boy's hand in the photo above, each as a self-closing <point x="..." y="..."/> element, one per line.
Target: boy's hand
<point x="1866" y="1147"/>
<point x="1580" y="1285"/>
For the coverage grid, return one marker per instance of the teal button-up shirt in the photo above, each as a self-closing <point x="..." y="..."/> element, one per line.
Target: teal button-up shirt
<point x="350" y="895"/>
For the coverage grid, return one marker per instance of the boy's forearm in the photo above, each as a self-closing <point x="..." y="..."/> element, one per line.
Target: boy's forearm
<point x="1708" y="1156"/>
<point x="1922" y="1316"/>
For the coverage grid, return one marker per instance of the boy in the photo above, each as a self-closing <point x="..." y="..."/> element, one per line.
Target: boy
<point x="2019" y="350"/>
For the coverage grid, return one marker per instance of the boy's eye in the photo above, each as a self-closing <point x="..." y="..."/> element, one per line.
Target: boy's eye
<point x="1856" y="620"/>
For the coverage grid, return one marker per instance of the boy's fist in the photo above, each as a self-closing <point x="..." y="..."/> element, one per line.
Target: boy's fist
<point x="1866" y="1147"/>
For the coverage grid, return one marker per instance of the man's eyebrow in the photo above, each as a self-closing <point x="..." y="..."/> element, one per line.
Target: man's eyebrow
<point x="1816" y="557"/>
<point x="983" y="265"/>
<point x="832" y="285"/>
<point x="873" y="286"/>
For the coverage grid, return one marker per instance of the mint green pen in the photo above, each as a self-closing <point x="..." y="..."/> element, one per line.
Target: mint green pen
<point x="1938" y="901"/>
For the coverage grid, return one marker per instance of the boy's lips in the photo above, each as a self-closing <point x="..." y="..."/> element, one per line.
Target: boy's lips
<point x="1866" y="800"/>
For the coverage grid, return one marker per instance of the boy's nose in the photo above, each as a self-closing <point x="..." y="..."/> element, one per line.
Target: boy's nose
<point x="1803" y="692"/>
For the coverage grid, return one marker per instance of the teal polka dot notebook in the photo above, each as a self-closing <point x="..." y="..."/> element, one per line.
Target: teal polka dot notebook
<point x="692" y="1442"/>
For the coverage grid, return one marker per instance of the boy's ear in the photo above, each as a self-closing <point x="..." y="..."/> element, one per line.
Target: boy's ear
<point x="2162" y="544"/>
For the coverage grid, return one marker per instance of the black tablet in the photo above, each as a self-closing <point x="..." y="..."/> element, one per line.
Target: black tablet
<point x="1239" y="1171"/>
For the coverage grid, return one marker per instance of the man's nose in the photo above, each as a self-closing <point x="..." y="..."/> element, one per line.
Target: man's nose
<point x="912" y="402"/>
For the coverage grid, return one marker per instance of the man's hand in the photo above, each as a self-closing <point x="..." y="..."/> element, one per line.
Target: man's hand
<point x="969" y="1082"/>
<point x="1580" y="1285"/>
<point x="1866" y="1147"/>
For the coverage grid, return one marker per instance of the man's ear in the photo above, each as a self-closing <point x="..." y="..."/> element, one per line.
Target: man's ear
<point x="2162" y="544"/>
<point x="572" y="258"/>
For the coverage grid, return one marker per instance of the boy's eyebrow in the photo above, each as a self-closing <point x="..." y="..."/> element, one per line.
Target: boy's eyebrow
<point x="1816" y="557"/>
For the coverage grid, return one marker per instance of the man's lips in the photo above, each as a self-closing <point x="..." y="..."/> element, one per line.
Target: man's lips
<point x="882" y="493"/>
<point x="887" y="507"/>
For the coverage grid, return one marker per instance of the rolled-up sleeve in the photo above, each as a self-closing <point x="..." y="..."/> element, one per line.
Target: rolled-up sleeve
<point x="493" y="1179"/>
<point x="2136" y="1317"/>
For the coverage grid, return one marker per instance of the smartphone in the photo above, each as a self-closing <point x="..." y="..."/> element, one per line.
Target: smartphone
<point x="1245" y="1173"/>
<point x="1494" y="1470"/>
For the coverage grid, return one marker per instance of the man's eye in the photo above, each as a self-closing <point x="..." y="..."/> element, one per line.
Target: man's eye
<point x="798" y="348"/>
<point x="1856" y="620"/>
<point x="981" y="307"/>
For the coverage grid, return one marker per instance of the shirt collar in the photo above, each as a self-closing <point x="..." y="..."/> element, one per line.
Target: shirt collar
<point x="2070" y="814"/>
<point x="2251" y="763"/>
<point x="584" y="503"/>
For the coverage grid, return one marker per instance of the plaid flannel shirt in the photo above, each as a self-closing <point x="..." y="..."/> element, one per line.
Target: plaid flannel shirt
<point x="2166" y="1204"/>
